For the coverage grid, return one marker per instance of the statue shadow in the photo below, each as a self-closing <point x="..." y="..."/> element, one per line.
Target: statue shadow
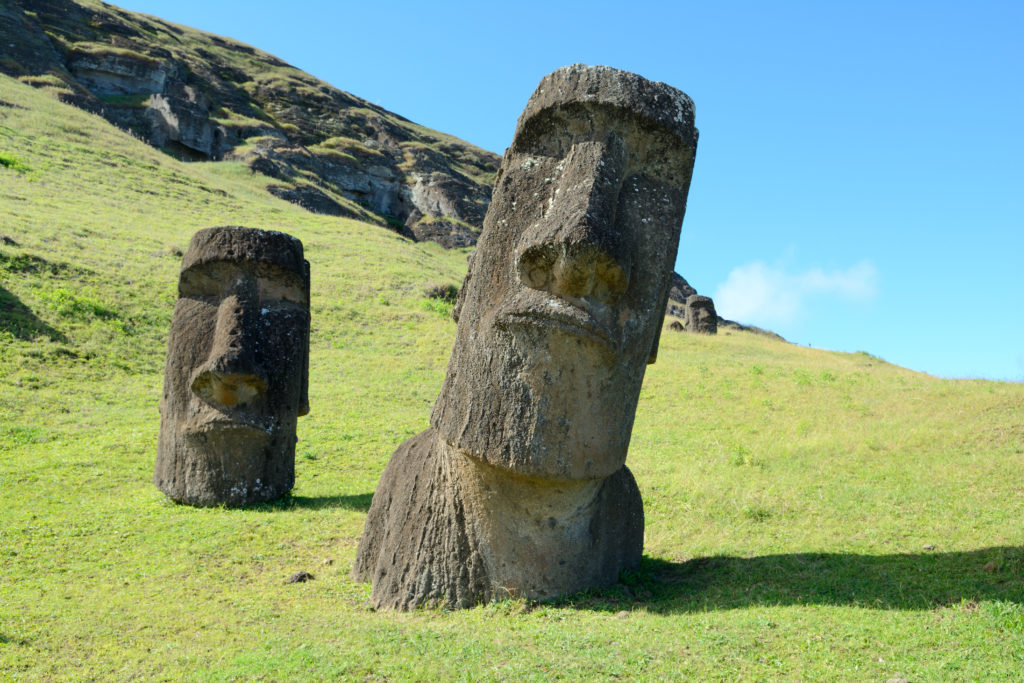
<point x="17" y="319"/>
<point x="359" y="502"/>
<point x="910" y="581"/>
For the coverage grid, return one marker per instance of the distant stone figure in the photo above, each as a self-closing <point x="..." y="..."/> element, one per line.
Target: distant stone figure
<point x="700" y="315"/>
<point x="519" y="488"/>
<point x="677" y="293"/>
<point x="237" y="369"/>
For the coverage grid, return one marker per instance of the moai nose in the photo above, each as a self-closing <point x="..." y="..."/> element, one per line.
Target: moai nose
<point x="232" y="377"/>
<point x="575" y="270"/>
<point x="576" y="249"/>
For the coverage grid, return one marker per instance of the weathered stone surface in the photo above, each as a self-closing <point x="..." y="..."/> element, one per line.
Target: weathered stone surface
<point x="700" y="315"/>
<point x="445" y="528"/>
<point x="449" y="233"/>
<point x="118" y="73"/>
<point x="300" y="577"/>
<point x="237" y="369"/>
<point x="679" y="291"/>
<point x="182" y="116"/>
<point x="520" y="486"/>
<point x="181" y="92"/>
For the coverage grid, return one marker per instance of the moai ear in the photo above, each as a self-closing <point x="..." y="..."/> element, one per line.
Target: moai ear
<point x="461" y="296"/>
<point x="304" y="393"/>
<point x="663" y="306"/>
<point x="657" y="339"/>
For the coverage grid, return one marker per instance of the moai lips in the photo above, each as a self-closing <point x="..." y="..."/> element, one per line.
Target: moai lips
<point x="236" y="377"/>
<point x="520" y="486"/>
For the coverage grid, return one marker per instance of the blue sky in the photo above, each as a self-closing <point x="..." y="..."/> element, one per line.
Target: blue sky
<point x="859" y="183"/>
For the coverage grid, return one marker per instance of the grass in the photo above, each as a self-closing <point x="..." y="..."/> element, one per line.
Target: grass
<point x="810" y="514"/>
<point x="137" y="101"/>
<point x="13" y="163"/>
<point x="84" y="48"/>
<point x="248" y="92"/>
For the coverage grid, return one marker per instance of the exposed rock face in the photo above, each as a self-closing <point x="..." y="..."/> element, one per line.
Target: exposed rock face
<point x="202" y="97"/>
<point x="706" y="320"/>
<point x="182" y="116"/>
<point x="700" y="315"/>
<point x="237" y="369"/>
<point x="118" y="73"/>
<point x="677" y="295"/>
<point x="450" y="234"/>
<point x="520" y="487"/>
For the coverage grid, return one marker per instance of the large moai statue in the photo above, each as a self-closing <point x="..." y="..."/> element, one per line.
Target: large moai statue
<point x="519" y="488"/>
<point x="237" y="369"/>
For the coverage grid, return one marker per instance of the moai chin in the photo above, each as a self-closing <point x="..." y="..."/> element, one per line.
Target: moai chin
<point x="520" y="488"/>
<point x="237" y="369"/>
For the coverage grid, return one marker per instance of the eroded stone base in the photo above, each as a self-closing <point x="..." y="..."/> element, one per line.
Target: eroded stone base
<point x="444" y="528"/>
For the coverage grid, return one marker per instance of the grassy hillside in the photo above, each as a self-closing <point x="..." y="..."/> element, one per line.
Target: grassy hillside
<point x="200" y="96"/>
<point x="810" y="515"/>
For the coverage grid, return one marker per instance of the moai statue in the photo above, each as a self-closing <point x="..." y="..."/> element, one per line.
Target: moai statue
<point x="519" y="488"/>
<point x="237" y="369"/>
<point x="700" y="315"/>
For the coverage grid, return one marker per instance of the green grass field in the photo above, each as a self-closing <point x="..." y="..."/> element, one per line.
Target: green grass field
<point x="811" y="515"/>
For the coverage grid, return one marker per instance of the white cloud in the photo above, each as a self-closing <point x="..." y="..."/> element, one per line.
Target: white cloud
<point x="762" y="294"/>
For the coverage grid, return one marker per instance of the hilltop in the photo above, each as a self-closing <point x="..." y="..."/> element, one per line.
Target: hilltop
<point x="202" y="97"/>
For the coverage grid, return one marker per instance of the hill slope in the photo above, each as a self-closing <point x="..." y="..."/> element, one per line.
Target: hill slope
<point x="810" y="514"/>
<point x="202" y="97"/>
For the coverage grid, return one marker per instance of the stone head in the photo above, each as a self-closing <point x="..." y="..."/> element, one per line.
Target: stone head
<point x="700" y="314"/>
<point x="237" y="369"/>
<point x="562" y="306"/>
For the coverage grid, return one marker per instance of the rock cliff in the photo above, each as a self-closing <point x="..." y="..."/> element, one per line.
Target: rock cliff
<point x="202" y="97"/>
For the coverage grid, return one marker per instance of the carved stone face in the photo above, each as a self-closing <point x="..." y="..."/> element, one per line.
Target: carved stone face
<point x="562" y="306"/>
<point x="700" y="314"/>
<point x="237" y="369"/>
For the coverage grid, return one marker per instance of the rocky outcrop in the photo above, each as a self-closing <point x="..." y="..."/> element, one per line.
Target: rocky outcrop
<point x="678" y="301"/>
<point x="182" y="116"/>
<point x="448" y="232"/>
<point x="118" y="73"/>
<point x="678" y="293"/>
<point x="202" y="97"/>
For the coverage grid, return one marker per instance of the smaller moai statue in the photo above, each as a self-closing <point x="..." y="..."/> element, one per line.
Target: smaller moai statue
<point x="237" y="369"/>
<point x="700" y="315"/>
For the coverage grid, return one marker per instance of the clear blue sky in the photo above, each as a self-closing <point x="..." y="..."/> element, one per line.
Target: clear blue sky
<point x="859" y="183"/>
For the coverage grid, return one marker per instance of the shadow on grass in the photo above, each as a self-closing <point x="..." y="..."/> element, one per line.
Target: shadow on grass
<point x="911" y="581"/>
<point x="359" y="502"/>
<point x="7" y="640"/>
<point x="20" y="321"/>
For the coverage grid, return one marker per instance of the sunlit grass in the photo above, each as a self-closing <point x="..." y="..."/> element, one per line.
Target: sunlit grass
<point x="810" y="515"/>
